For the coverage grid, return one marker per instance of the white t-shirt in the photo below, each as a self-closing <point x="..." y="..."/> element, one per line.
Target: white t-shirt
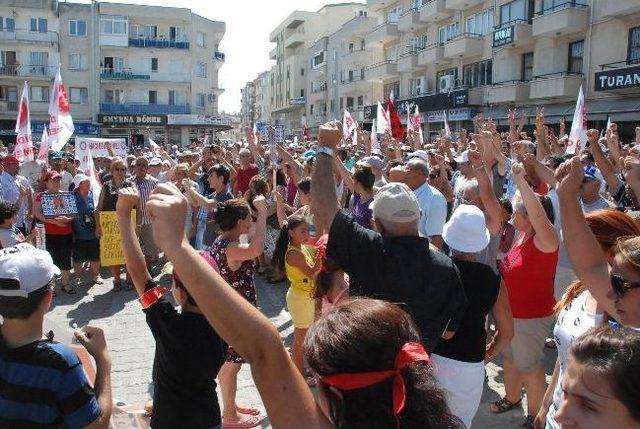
<point x="574" y="320"/>
<point x="433" y="210"/>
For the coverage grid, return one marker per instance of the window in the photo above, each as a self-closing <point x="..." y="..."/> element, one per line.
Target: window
<point x="349" y="103"/>
<point x="9" y="25"/>
<point x="38" y="24"/>
<point x="361" y="13"/>
<point x="311" y="109"/>
<point x="341" y="103"/>
<point x="391" y="53"/>
<point x="448" y="32"/>
<point x="301" y="71"/>
<point x="153" y="97"/>
<point x="332" y="105"/>
<point x="172" y="97"/>
<point x="113" y="24"/>
<point x="78" y="95"/>
<point x="40" y="94"/>
<point x="77" y="28"/>
<point x="416" y="86"/>
<point x="77" y="61"/>
<point x="154" y="64"/>
<point x="576" y="52"/>
<point x="200" y="99"/>
<point x="391" y="87"/>
<point x="317" y="60"/>
<point x="201" y="71"/>
<point x="176" y="33"/>
<point x="360" y="100"/>
<point x="302" y="93"/>
<point x="481" y="23"/>
<point x="200" y="38"/>
<point x="633" y="56"/>
<point x="114" y="96"/>
<point x="477" y="74"/>
<point x="527" y="66"/>
<point x="38" y="59"/>
<point x="516" y="10"/>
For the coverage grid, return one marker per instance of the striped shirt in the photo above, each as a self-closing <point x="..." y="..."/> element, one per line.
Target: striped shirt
<point x="43" y="385"/>
<point x="145" y="187"/>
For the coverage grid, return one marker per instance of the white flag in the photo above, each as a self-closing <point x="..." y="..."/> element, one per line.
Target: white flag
<point x="24" y="142"/>
<point x="355" y="135"/>
<point x="60" y="122"/>
<point x="578" y="134"/>
<point x="295" y="142"/>
<point x="155" y="147"/>
<point x="447" y="130"/>
<point x="83" y="153"/>
<point x="375" y="144"/>
<point x="384" y="123"/>
<point x="43" y="153"/>
<point x="348" y="124"/>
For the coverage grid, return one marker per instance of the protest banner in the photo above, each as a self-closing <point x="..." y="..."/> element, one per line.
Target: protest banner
<point x="110" y="247"/>
<point x="100" y="147"/>
<point x="58" y="204"/>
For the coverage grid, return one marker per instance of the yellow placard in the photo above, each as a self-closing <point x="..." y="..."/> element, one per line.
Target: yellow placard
<point x="110" y="247"/>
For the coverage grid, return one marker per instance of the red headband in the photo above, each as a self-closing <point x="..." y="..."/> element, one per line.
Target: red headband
<point x="410" y="352"/>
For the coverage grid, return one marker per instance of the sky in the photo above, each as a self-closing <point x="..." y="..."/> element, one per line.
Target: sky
<point x="246" y="41"/>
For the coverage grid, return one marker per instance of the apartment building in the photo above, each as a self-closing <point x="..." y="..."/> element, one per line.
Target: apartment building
<point x="462" y="57"/>
<point x="262" y="104"/>
<point x="247" y="104"/>
<point x="293" y="37"/>
<point x="131" y="71"/>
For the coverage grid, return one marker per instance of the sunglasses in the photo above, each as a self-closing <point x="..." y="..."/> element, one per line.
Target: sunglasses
<point x="620" y="286"/>
<point x="120" y="169"/>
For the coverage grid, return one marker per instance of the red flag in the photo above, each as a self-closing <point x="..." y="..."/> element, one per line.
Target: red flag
<point x="23" y="150"/>
<point x="397" y="131"/>
<point x="60" y="123"/>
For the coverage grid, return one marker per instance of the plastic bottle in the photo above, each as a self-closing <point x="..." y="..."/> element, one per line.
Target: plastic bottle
<point x="40" y="236"/>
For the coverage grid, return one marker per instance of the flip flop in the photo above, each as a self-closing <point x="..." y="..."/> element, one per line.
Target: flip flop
<point x="245" y="422"/>
<point x="250" y="411"/>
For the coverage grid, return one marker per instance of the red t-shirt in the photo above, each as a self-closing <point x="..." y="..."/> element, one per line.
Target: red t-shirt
<point x="529" y="275"/>
<point x="53" y="229"/>
<point x="243" y="177"/>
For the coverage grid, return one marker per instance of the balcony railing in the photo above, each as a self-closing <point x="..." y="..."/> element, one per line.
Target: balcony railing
<point x="619" y="64"/>
<point x="562" y="6"/>
<point x="144" y="108"/>
<point x="126" y="74"/>
<point x="24" y="35"/>
<point x="143" y="42"/>
<point x="28" y="71"/>
<point x="217" y="55"/>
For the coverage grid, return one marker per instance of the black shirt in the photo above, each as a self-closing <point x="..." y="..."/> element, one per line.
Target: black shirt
<point x="402" y="270"/>
<point x="189" y="354"/>
<point x="481" y="286"/>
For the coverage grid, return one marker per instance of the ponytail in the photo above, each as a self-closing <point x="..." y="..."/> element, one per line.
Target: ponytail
<point x="282" y="243"/>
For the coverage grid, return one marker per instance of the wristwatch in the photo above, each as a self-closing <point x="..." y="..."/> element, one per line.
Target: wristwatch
<point x="324" y="149"/>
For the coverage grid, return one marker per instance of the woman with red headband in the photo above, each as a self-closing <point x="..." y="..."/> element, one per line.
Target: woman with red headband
<point x="373" y="372"/>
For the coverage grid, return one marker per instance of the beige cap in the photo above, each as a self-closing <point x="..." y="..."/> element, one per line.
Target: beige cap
<point x="395" y="202"/>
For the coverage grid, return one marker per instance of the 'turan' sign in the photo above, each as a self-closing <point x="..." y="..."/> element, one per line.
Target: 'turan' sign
<point x="618" y="79"/>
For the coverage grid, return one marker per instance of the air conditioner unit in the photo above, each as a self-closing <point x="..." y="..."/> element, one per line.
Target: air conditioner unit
<point x="418" y="87"/>
<point x="211" y="97"/>
<point x="445" y="84"/>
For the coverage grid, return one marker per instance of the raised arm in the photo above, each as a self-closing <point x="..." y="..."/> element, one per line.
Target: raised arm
<point x="286" y="157"/>
<point x="345" y="174"/>
<point x="244" y="252"/>
<point x="324" y="203"/>
<point x="252" y="334"/>
<point x="542" y="137"/>
<point x="542" y="171"/>
<point x="492" y="207"/>
<point x="607" y="170"/>
<point x="128" y="199"/>
<point x="546" y="237"/>
<point x="587" y="259"/>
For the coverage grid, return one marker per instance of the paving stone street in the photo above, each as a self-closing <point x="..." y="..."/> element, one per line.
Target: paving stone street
<point x="132" y="347"/>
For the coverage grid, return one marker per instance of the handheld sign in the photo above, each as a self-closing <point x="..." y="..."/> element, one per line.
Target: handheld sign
<point x="58" y="204"/>
<point x="110" y="242"/>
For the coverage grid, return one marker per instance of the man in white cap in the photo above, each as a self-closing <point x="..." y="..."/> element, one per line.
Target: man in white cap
<point x="394" y="263"/>
<point x="48" y="384"/>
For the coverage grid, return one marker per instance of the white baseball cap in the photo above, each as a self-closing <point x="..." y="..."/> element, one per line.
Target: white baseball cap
<point x="395" y="202"/>
<point x="371" y="161"/>
<point x="462" y="158"/>
<point x="466" y="231"/>
<point x="24" y="269"/>
<point x="422" y="154"/>
<point x="155" y="161"/>
<point x="79" y="178"/>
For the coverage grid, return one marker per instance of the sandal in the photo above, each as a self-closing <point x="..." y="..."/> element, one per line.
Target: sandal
<point x="504" y="405"/>
<point x="250" y="411"/>
<point x="69" y="289"/>
<point x="245" y="422"/>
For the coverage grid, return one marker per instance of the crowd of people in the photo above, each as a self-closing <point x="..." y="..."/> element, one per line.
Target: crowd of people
<point x="411" y="264"/>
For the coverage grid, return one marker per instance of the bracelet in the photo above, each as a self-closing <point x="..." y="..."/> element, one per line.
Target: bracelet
<point x="324" y="149"/>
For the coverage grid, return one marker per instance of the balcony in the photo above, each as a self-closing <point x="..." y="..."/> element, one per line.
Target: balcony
<point x="381" y="71"/>
<point x="618" y="8"/>
<point x="20" y="71"/>
<point x="352" y="85"/>
<point x="408" y="61"/>
<point x="24" y="35"/>
<point x="383" y="33"/>
<point x="508" y="92"/>
<point x="478" y="95"/>
<point x="294" y="40"/>
<point x="431" y="54"/>
<point x="410" y="20"/>
<point x="127" y="74"/>
<point x="8" y="106"/>
<point x="159" y="42"/>
<point x="556" y="85"/>
<point x="273" y="54"/>
<point x="434" y="11"/>
<point x="464" y="45"/>
<point x="561" y="20"/>
<point x="144" y="109"/>
<point x="463" y="4"/>
<point x="513" y="34"/>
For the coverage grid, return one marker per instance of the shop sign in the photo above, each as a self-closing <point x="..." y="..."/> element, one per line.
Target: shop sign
<point x="436" y="116"/>
<point x="441" y="101"/>
<point x="460" y="114"/>
<point x="618" y="79"/>
<point x="132" y="119"/>
<point x="297" y="101"/>
<point x="204" y="120"/>
<point x="503" y="36"/>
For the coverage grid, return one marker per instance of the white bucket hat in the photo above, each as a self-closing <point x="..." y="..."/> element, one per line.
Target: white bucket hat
<point x="466" y="231"/>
